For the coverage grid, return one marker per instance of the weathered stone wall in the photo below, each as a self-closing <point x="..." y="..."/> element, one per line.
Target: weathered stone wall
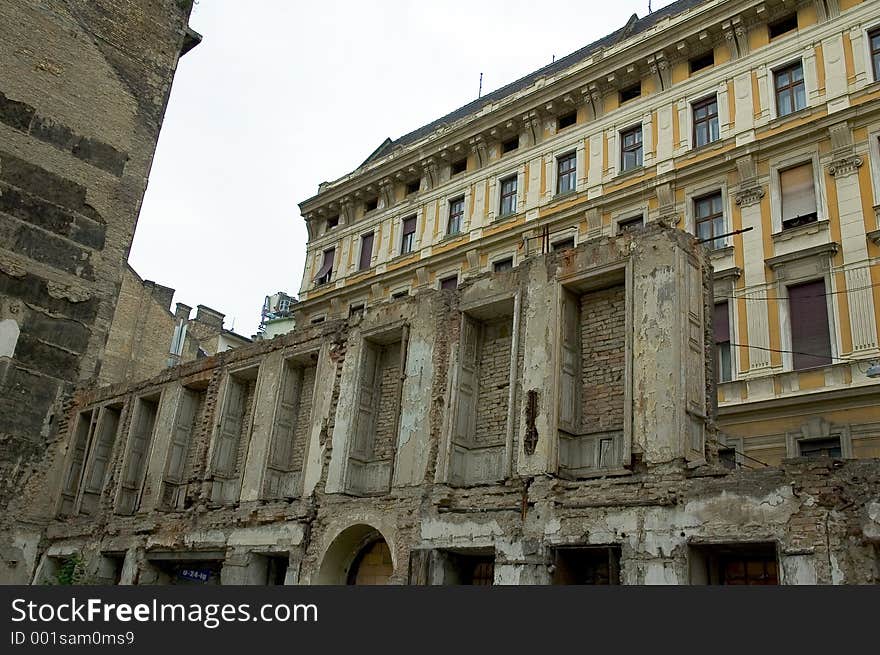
<point x="139" y="340"/>
<point x="83" y="90"/>
<point x="821" y="517"/>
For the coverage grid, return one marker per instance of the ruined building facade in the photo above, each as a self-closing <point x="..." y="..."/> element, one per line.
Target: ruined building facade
<point x="513" y="361"/>
<point x="83" y="90"/>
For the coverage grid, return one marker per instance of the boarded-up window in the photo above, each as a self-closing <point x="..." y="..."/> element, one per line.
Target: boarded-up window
<point x="138" y="450"/>
<point x="569" y="389"/>
<point x="798" y="196"/>
<point x="466" y="396"/>
<point x="290" y="431"/>
<point x="99" y="458"/>
<point x="377" y="412"/>
<point x="176" y="466"/>
<point x="810" y="335"/>
<point x="81" y="436"/>
<point x="231" y="424"/>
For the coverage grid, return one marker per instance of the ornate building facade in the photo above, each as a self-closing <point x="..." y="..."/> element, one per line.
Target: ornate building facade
<point x="611" y="323"/>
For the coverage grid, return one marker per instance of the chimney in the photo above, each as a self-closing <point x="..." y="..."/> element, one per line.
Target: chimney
<point x="209" y="317"/>
<point x="182" y="312"/>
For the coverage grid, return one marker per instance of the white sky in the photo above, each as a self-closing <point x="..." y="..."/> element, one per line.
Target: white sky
<point x="282" y="95"/>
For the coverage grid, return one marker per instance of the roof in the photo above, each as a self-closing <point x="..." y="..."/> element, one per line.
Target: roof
<point x="633" y="27"/>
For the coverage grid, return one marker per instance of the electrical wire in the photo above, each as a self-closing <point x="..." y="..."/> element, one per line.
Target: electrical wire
<point x="797" y="352"/>
<point x="817" y="295"/>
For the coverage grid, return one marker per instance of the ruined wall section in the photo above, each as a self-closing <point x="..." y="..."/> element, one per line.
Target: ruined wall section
<point x="493" y="382"/>
<point x="83" y="90"/>
<point x="139" y="340"/>
<point x="603" y="349"/>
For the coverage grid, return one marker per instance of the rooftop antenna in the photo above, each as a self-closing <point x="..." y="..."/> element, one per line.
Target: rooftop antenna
<point x="553" y="59"/>
<point x="649" y="6"/>
<point x="480" y="92"/>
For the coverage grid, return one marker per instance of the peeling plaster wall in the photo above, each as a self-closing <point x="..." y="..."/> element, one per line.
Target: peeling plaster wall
<point x="820" y="515"/>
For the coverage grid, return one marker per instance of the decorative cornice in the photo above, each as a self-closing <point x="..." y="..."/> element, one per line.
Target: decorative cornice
<point x="844" y="166"/>
<point x="822" y="250"/>
<point x="875" y="235"/>
<point x="732" y="273"/>
<point x="749" y="196"/>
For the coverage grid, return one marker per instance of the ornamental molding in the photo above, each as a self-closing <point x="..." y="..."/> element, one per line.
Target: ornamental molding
<point x="749" y="196"/>
<point x="843" y="166"/>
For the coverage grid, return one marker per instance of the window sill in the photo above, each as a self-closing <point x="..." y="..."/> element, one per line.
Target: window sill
<point x="565" y="195"/>
<point x="777" y="120"/>
<point x="721" y="253"/>
<point x="629" y="173"/>
<point x="787" y="234"/>
<point x="695" y="151"/>
<point x="503" y="218"/>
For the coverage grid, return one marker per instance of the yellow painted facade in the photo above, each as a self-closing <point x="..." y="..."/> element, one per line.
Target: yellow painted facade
<point x="768" y="402"/>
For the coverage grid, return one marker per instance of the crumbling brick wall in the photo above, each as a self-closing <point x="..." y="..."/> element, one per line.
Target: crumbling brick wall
<point x="603" y="347"/>
<point x="493" y="383"/>
<point x="388" y="381"/>
<point x="303" y="423"/>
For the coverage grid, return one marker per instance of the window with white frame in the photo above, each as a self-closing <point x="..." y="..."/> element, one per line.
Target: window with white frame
<point x="631" y="148"/>
<point x="709" y="220"/>
<point x="798" y="192"/>
<point x="789" y="89"/>
<point x="508" y="196"/>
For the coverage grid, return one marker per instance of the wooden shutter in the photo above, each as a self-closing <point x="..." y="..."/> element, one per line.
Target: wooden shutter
<point x="108" y="423"/>
<point x="84" y="428"/>
<point x="466" y="392"/>
<point x="181" y="436"/>
<point x="798" y="191"/>
<point x="420" y="567"/>
<point x="230" y="429"/>
<point x="367" y="399"/>
<point x="810" y="336"/>
<point x="366" y="251"/>
<point x="281" y="454"/>
<point x="721" y="323"/>
<point x="569" y="369"/>
<point x="140" y="441"/>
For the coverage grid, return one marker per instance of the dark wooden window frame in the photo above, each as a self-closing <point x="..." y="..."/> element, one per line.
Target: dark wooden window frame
<point x="407" y="235"/>
<point x="566" y="171"/>
<point x="789" y="89"/>
<point x="710" y="218"/>
<point x="875" y="52"/>
<point x="456" y="216"/>
<point x="710" y="116"/>
<point x="635" y="147"/>
<point x="509" y="194"/>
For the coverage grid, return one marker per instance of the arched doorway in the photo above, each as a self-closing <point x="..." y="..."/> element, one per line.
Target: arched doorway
<point x="372" y="565"/>
<point x="359" y="555"/>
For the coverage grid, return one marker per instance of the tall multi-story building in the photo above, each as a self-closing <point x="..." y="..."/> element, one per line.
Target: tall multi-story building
<point x="753" y="125"/>
<point x="511" y="350"/>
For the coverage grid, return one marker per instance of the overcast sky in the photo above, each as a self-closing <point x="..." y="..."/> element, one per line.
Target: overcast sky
<point x="282" y="95"/>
